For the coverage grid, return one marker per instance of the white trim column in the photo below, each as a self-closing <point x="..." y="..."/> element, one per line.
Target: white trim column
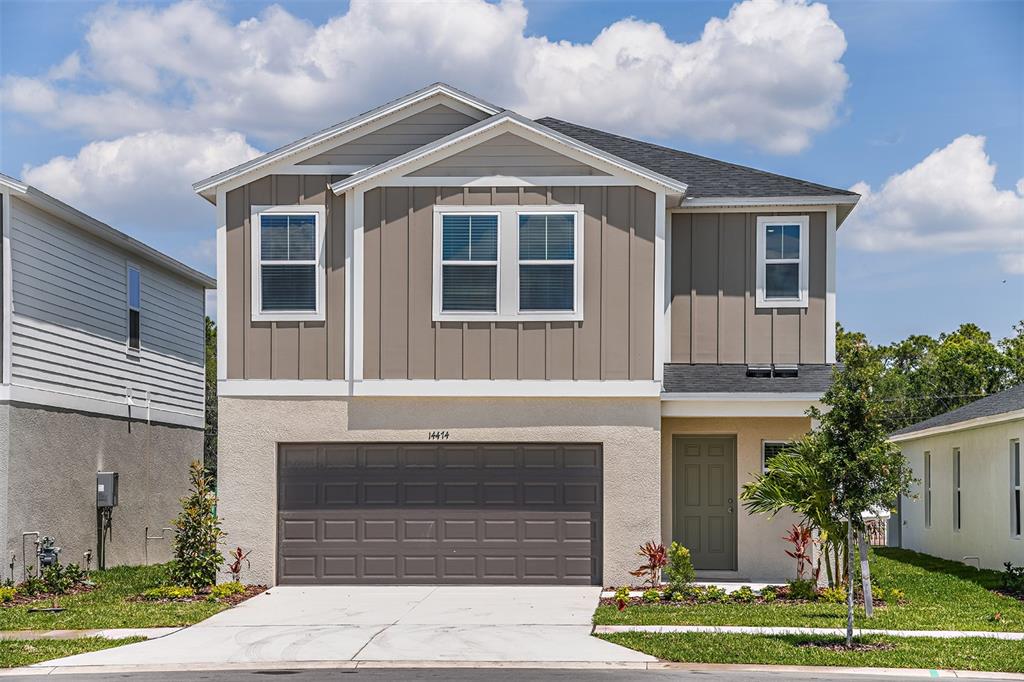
<point x="222" y="285"/>
<point x="660" y="269"/>
<point x="830" y="284"/>
<point x="355" y="259"/>
<point x="8" y="284"/>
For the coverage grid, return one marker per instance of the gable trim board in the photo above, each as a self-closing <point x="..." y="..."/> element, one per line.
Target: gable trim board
<point x="959" y="426"/>
<point x="349" y="129"/>
<point x="753" y="202"/>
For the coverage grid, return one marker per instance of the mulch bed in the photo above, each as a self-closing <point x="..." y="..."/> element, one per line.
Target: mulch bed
<point x="232" y="599"/>
<point x="841" y="646"/>
<point x="1019" y="596"/>
<point x="23" y="599"/>
<point x="781" y="599"/>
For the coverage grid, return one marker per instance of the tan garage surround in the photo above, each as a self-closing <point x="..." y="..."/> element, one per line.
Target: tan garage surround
<point x="760" y="548"/>
<point x="626" y="428"/>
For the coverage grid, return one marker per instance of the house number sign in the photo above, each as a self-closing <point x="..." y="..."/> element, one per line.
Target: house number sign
<point x="438" y="435"/>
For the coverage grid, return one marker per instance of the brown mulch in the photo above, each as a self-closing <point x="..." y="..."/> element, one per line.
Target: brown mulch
<point x="1019" y="596"/>
<point x="23" y="599"/>
<point x="781" y="599"/>
<point x="231" y="600"/>
<point x="841" y="646"/>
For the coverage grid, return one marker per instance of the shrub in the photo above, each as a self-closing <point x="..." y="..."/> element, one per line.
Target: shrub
<point x="802" y="539"/>
<point x="226" y="589"/>
<point x="652" y="596"/>
<point x="238" y="555"/>
<point x="1013" y="579"/>
<point x="743" y="595"/>
<point x="655" y="558"/>
<point x="802" y="589"/>
<point x="679" y="572"/>
<point x="197" y="533"/>
<point x="895" y="596"/>
<point x="32" y="585"/>
<point x="168" y="592"/>
<point x="833" y="595"/>
<point x="622" y="597"/>
<point x="57" y="579"/>
<point x="678" y="596"/>
<point x="710" y="595"/>
<point x="7" y="594"/>
<point x="769" y="594"/>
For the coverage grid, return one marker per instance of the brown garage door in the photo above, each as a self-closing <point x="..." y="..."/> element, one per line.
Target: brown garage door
<point x="439" y="513"/>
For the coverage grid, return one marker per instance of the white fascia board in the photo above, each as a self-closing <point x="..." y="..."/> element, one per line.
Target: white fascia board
<point x="738" y="404"/>
<point x="494" y="126"/>
<point x="13" y="184"/>
<point x="976" y="423"/>
<point x="328" y="135"/>
<point x="8" y="289"/>
<point x="766" y="201"/>
<point x="453" y="388"/>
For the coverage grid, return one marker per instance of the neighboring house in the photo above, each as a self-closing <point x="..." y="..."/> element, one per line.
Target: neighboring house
<point x="458" y="345"/>
<point x="970" y="472"/>
<point x="103" y="370"/>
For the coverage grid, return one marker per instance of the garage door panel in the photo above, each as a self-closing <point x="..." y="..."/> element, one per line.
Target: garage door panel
<point x="439" y="513"/>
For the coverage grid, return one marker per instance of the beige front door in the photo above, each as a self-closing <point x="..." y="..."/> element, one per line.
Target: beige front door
<point x="704" y="500"/>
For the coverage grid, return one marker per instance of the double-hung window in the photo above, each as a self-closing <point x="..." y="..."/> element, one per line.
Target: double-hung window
<point x="508" y="263"/>
<point x="287" y="257"/>
<point x="782" y="246"/>
<point x="1016" y="465"/>
<point x="134" y="309"/>
<point x="957" y="495"/>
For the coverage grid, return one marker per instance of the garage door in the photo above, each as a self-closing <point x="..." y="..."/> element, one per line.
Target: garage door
<point x="439" y="513"/>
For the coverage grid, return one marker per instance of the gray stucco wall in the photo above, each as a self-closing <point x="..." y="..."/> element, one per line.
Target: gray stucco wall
<point x="628" y="430"/>
<point x="53" y="458"/>
<point x="5" y="432"/>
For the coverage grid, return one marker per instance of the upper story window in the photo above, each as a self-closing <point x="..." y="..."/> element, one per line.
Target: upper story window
<point x="134" y="305"/>
<point x="508" y="263"/>
<point x="287" y="258"/>
<point x="782" y="261"/>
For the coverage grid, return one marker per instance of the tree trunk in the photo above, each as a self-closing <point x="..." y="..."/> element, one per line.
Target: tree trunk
<point x="865" y="575"/>
<point x="849" y="582"/>
<point x="828" y="568"/>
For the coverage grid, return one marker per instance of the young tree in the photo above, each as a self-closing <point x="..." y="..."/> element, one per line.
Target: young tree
<point x="210" y="429"/>
<point x="197" y="534"/>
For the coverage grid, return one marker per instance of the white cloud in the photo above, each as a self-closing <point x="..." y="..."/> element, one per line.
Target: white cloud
<point x="142" y="184"/>
<point x="947" y="202"/>
<point x="768" y="74"/>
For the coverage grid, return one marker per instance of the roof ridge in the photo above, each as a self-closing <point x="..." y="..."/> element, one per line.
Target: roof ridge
<point x="720" y="162"/>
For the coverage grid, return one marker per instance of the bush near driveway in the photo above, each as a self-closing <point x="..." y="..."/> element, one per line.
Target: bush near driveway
<point x="939" y="595"/>
<point x="18" y="652"/>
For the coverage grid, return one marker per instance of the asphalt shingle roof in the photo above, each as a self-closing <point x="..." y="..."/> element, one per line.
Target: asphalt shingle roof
<point x="681" y="378"/>
<point x="1010" y="400"/>
<point x="705" y="177"/>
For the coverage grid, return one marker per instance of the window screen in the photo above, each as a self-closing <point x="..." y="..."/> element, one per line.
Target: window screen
<point x="547" y="262"/>
<point x="469" y="263"/>
<point x="134" y="308"/>
<point x="288" y="262"/>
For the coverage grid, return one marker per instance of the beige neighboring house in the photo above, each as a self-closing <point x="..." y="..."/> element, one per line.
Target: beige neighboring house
<point x="970" y="472"/>
<point x="457" y="345"/>
<point x="103" y="370"/>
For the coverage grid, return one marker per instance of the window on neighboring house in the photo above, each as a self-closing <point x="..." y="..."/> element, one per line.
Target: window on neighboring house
<point x="469" y="263"/>
<point x="769" y="449"/>
<point x="547" y="261"/>
<point x="1015" y="489"/>
<point x="782" y="261"/>
<point x="134" y="301"/>
<point x="288" y="274"/>
<point x="956" y="489"/>
<point x="927" y="490"/>
<point x="507" y="263"/>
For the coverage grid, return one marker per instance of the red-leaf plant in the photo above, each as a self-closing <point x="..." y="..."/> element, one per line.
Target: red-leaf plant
<point x="802" y="540"/>
<point x="655" y="558"/>
<point x="235" y="566"/>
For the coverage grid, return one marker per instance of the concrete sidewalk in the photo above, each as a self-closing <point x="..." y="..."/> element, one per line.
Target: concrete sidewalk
<point x="841" y="632"/>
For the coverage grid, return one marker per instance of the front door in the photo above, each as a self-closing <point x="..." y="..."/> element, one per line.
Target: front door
<point x="704" y="500"/>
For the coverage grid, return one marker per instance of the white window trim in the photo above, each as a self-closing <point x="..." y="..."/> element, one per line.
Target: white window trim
<point x="129" y="267"/>
<point x="958" y="487"/>
<point x="439" y="262"/>
<point x="508" y="265"/>
<point x="764" y="462"/>
<point x="927" y="489"/>
<point x="1016" y="457"/>
<point x="256" y="288"/>
<point x="763" y="222"/>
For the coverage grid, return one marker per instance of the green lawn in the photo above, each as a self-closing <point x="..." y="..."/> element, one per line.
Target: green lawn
<point x="18" y="652"/>
<point x="107" y="606"/>
<point x="941" y="595"/>
<point x="916" y="652"/>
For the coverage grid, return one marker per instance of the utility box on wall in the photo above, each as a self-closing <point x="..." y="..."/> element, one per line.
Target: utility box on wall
<point x="106" y="488"/>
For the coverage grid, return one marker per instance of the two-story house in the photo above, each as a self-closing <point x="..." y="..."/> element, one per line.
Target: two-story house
<point x="461" y="346"/>
<point x="103" y="361"/>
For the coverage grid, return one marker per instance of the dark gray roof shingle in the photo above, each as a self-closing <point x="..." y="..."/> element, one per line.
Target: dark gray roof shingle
<point x="733" y="379"/>
<point x="704" y="176"/>
<point x="1010" y="400"/>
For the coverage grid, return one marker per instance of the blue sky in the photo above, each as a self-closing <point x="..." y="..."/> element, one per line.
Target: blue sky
<point x="932" y="92"/>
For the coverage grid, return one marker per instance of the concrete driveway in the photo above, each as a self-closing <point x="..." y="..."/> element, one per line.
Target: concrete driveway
<point x="428" y="623"/>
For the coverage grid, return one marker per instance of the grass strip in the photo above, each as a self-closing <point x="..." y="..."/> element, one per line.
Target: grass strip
<point x="19" y="652"/>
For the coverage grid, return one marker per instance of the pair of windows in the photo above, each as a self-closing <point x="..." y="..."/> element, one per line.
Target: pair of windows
<point x="485" y="271"/>
<point x="782" y="247"/>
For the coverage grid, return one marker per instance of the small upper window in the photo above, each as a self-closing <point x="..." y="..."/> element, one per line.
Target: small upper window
<point x="134" y="308"/>
<point x="547" y="261"/>
<point x="287" y="273"/>
<point x="469" y="263"/>
<point x="782" y="261"/>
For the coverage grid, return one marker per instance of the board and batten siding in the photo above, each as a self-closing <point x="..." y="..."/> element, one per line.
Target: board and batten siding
<point x="69" y="319"/>
<point x="284" y="350"/>
<point x="714" y="316"/>
<point x="615" y="339"/>
<point x="396" y="139"/>
<point x="506" y="154"/>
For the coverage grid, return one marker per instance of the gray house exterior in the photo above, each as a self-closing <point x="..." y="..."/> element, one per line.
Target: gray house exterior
<point x="103" y="370"/>
<point x="458" y="345"/>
